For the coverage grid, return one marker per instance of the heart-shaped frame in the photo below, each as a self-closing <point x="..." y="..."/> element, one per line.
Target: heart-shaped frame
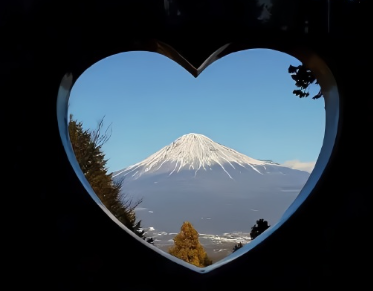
<point x="330" y="92"/>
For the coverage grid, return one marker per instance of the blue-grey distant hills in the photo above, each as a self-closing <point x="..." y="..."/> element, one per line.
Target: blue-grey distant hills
<point x="216" y="188"/>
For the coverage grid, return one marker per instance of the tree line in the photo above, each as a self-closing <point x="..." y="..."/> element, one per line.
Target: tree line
<point x="87" y="145"/>
<point x="188" y="248"/>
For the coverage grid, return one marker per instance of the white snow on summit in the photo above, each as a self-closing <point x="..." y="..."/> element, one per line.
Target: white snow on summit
<point x="193" y="152"/>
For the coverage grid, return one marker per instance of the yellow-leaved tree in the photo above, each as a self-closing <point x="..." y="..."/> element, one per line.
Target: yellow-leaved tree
<point x="188" y="248"/>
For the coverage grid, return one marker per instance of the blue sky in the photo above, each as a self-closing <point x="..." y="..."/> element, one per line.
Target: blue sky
<point x="243" y="101"/>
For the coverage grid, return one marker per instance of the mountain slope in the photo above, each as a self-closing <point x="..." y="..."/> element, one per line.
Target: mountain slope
<point x="193" y="152"/>
<point x="215" y="187"/>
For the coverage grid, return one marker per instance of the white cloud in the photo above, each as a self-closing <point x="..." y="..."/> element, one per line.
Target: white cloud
<point x="298" y="165"/>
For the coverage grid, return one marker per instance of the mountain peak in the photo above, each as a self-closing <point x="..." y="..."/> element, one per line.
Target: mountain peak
<point x="192" y="134"/>
<point x="193" y="137"/>
<point x="196" y="152"/>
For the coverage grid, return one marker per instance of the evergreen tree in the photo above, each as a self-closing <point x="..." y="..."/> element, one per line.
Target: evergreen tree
<point x="87" y="146"/>
<point x="237" y="246"/>
<point x="303" y="78"/>
<point x="260" y="226"/>
<point x="188" y="248"/>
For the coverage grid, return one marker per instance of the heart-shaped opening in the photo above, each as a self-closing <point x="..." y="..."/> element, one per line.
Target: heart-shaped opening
<point x="200" y="169"/>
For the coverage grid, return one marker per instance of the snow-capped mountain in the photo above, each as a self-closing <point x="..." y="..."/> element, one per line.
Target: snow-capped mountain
<point x="193" y="152"/>
<point x="213" y="186"/>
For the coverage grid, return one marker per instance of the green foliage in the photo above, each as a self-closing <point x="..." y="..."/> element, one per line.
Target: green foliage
<point x="303" y="78"/>
<point x="87" y="146"/>
<point x="188" y="248"/>
<point x="260" y="226"/>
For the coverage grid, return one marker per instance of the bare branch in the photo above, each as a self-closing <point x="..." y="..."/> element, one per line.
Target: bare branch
<point x="100" y="136"/>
